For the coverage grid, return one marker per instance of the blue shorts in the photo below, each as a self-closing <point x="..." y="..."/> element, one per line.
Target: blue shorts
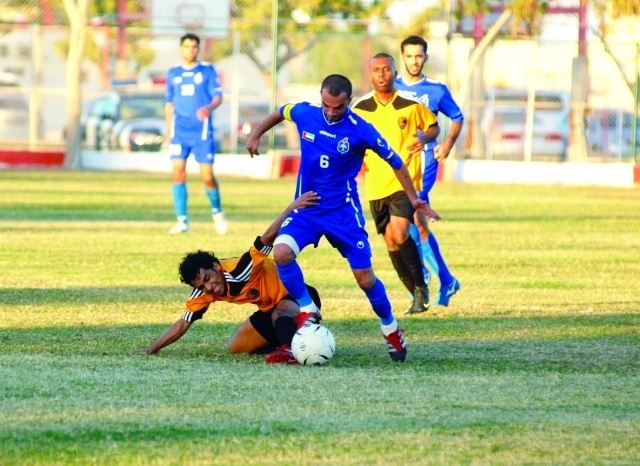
<point x="203" y="149"/>
<point x="343" y="228"/>
<point x="429" y="175"/>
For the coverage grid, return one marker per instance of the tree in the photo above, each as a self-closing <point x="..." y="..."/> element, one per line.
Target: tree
<point x="610" y="12"/>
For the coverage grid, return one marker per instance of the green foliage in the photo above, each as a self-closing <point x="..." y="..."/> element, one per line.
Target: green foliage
<point x="535" y="361"/>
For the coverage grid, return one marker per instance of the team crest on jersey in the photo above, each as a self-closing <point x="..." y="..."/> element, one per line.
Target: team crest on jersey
<point x="402" y="122"/>
<point x="253" y="293"/>
<point x="197" y="79"/>
<point x="425" y="100"/>
<point x="360" y="244"/>
<point x="343" y="146"/>
<point x="308" y="136"/>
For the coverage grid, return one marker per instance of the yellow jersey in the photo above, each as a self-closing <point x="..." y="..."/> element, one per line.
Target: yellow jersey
<point x="398" y="121"/>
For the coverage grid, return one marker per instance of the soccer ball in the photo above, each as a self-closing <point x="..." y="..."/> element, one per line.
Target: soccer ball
<point x="313" y="345"/>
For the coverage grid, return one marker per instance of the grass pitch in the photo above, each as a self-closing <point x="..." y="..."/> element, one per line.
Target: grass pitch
<point x="536" y="360"/>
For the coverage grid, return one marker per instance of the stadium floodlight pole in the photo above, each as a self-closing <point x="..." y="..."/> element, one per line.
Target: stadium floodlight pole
<point x="634" y="122"/>
<point x="274" y="68"/>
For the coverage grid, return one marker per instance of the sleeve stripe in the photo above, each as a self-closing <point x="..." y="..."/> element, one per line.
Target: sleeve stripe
<point x="187" y="316"/>
<point x="266" y="250"/>
<point x="242" y="276"/>
<point x="195" y="293"/>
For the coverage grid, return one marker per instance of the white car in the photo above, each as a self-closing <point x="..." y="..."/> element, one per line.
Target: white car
<point x="504" y="123"/>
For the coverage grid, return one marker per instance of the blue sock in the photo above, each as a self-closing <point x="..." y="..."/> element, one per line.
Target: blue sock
<point x="380" y="302"/>
<point x="180" y="199"/>
<point x="214" y="199"/>
<point x="293" y="280"/>
<point x="415" y="234"/>
<point x="443" y="271"/>
<point x="427" y="253"/>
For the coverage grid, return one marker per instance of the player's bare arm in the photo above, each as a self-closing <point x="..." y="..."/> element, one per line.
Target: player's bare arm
<point x="172" y="334"/>
<point x="441" y="151"/>
<point x="423" y="138"/>
<point x="305" y="200"/>
<point x="254" y="139"/>
<point x="168" y="117"/>
<point x="205" y="111"/>
<point x="405" y="180"/>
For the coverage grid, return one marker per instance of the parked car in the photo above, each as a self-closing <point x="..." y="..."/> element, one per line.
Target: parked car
<point x="504" y="123"/>
<point x="610" y="132"/>
<point x="250" y="114"/>
<point x="14" y="118"/>
<point x="129" y="120"/>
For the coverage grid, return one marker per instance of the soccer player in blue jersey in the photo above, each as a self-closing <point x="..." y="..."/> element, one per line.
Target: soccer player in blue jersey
<point x="193" y="92"/>
<point x="333" y="141"/>
<point x="437" y="97"/>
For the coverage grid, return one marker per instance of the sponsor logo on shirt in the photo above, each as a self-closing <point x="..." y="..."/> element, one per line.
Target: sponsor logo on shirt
<point x="177" y="80"/>
<point x="197" y="79"/>
<point x="402" y="122"/>
<point x="187" y="73"/>
<point x="360" y="244"/>
<point x="343" y="145"/>
<point x="308" y="136"/>
<point x="327" y="133"/>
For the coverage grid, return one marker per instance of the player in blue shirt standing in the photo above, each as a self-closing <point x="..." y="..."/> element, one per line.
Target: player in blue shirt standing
<point x="333" y="141"/>
<point x="193" y="92"/>
<point x="437" y="97"/>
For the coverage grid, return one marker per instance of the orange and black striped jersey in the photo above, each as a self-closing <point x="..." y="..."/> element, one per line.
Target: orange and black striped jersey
<point x="251" y="279"/>
<point x="398" y="121"/>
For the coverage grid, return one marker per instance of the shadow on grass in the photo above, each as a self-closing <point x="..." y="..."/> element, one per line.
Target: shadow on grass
<point x="567" y="344"/>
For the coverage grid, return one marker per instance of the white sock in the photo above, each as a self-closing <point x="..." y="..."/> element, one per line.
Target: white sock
<point x="183" y="219"/>
<point x="389" y="328"/>
<point x="309" y="307"/>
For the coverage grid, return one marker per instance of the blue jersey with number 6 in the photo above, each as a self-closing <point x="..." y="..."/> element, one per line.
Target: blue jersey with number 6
<point x="332" y="153"/>
<point x="190" y="89"/>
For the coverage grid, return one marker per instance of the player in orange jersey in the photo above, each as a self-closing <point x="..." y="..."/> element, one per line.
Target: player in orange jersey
<point x="250" y="278"/>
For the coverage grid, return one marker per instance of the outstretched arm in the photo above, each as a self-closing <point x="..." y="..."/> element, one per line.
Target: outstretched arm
<point x="254" y="139"/>
<point x="307" y="199"/>
<point x="405" y="180"/>
<point x="172" y="334"/>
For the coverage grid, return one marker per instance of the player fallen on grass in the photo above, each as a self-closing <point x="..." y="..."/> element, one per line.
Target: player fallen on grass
<point x="333" y="141"/>
<point x="402" y="121"/>
<point x="251" y="278"/>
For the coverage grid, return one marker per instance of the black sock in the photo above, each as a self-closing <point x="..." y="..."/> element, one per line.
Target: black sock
<point x="402" y="270"/>
<point x="411" y="257"/>
<point x="285" y="329"/>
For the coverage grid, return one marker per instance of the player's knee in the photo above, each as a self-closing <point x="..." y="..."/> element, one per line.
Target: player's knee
<point x="283" y="254"/>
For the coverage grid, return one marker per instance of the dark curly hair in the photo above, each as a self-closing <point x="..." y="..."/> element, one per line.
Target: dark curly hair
<point x="191" y="264"/>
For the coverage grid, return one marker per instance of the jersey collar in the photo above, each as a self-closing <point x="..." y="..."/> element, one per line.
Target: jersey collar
<point x="424" y="78"/>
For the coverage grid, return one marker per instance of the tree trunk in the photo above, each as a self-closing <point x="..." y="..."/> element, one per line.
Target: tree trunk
<point x="77" y="14"/>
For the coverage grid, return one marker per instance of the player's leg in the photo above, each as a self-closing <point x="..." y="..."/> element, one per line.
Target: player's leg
<point x="449" y="285"/>
<point x="294" y="236"/>
<point x="248" y="339"/>
<point x="352" y="242"/>
<point x="403" y="250"/>
<point x="204" y="154"/>
<point x="377" y="295"/>
<point x="180" y="196"/>
<point x="284" y="323"/>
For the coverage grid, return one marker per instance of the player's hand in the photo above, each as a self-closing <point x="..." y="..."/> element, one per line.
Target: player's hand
<point x="417" y="146"/>
<point x="203" y="113"/>
<point x="422" y="207"/>
<point x="252" y="145"/>
<point x="305" y="200"/>
<point x="441" y="152"/>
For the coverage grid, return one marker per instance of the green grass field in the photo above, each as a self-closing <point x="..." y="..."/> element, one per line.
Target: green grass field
<point x="536" y="360"/>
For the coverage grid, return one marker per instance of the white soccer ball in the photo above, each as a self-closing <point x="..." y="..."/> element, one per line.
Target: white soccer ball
<point x="313" y="345"/>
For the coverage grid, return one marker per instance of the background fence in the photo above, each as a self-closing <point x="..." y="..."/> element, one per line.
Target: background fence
<point x="519" y="106"/>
